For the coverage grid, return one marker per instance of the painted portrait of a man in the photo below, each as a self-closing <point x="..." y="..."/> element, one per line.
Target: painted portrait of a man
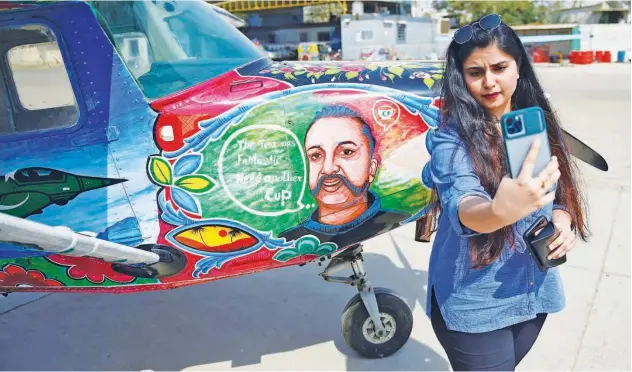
<point x="341" y="153"/>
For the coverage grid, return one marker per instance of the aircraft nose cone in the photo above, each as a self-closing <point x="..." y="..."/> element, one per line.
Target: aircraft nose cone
<point x="90" y="183"/>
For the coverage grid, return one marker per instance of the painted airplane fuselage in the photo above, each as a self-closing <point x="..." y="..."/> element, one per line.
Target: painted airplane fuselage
<point x="264" y="166"/>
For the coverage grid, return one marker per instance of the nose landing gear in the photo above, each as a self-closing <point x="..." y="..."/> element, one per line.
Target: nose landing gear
<point x="376" y="322"/>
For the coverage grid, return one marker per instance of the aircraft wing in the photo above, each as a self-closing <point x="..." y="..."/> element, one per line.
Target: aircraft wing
<point x="583" y="152"/>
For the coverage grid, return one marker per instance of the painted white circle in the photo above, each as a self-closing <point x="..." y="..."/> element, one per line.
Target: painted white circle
<point x="378" y="119"/>
<point x="220" y="169"/>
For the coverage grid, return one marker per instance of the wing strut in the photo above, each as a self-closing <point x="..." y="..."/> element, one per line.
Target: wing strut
<point x="62" y="240"/>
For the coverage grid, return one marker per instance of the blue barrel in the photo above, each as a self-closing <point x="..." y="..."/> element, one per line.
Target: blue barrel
<point x="621" y="56"/>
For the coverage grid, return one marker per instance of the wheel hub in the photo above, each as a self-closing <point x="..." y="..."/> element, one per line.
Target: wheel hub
<point x="375" y="337"/>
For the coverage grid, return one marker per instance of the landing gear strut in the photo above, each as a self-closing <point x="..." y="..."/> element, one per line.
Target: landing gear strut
<point x="377" y="321"/>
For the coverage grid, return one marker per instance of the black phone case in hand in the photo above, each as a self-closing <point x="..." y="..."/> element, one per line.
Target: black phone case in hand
<point x="539" y="245"/>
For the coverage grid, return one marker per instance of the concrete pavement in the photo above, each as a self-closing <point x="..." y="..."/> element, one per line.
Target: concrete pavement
<point x="290" y="318"/>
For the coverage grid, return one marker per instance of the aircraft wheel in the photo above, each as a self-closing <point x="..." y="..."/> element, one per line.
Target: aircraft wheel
<point x="359" y="331"/>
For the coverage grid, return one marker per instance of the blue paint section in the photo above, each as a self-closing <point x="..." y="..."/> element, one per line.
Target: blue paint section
<point x="110" y="102"/>
<point x="133" y="120"/>
<point x="409" y="78"/>
<point x="82" y="150"/>
<point x="8" y="251"/>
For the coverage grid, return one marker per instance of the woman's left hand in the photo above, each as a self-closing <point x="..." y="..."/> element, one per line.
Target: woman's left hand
<point x="566" y="240"/>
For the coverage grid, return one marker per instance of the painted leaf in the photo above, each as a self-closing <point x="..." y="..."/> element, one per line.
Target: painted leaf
<point x="396" y="70"/>
<point x="325" y="249"/>
<point x="275" y="71"/>
<point x="429" y="82"/>
<point x="332" y="71"/>
<point x="286" y="255"/>
<point x="187" y="164"/>
<point x="196" y="184"/>
<point x="288" y="75"/>
<point x="184" y="200"/>
<point x="372" y="67"/>
<point x="300" y="72"/>
<point x="310" y="74"/>
<point x="437" y="76"/>
<point x="307" y="244"/>
<point x="160" y="171"/>
<point x="318" y="75"/>
<point x="390" y="76"/>
<point x="352" y="74"/>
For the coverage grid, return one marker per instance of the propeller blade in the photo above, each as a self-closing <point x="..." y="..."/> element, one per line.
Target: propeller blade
<point x="583" y="152"/>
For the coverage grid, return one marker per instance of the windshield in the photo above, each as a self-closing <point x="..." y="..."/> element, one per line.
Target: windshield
<point x="172" y="45"/>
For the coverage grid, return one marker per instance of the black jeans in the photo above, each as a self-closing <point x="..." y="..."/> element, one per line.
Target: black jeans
<point x="498" y="350"/>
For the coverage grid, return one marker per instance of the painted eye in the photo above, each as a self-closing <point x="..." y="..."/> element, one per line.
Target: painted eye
<point x="315" y="156"/>
<point x="216" y="239"/>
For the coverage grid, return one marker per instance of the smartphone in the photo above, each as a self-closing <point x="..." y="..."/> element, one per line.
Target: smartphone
<point x="520" y="128"/>
<point x="538" y="245"/>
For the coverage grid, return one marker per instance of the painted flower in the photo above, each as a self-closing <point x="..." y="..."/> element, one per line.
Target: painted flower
<point x="96" y="271"/>
<point x="315" y="69"/>
<point x="356" y="68"/>
<point x="286" y="69"/>
<point x="14" y="275"/>
<point x="421" y="75"/>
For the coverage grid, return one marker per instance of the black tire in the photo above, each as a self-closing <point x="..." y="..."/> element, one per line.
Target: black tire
<point x="172" y="262"/>
<point x="355" y="315"/>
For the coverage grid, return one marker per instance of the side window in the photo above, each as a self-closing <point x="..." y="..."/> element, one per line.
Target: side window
<point x="37" y="93"/>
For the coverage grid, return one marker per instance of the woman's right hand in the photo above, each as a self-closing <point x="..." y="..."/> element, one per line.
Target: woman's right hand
<point x="517" y="198"/>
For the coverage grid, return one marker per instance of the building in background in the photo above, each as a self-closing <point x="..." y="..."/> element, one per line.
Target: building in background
<point x="287" y="23"/>
<point x="594" y="12"/>
<point x="603" y="26"/>
<point x="380" y="37"/>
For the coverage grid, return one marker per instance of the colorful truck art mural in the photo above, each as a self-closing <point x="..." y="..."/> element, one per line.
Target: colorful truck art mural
<point x="263" y="166"/>
<point x="327" y="166"/>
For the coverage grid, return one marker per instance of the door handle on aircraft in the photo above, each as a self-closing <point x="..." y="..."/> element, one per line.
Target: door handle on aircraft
<point x="113" y="133"/>
<point x="246" y="85"/>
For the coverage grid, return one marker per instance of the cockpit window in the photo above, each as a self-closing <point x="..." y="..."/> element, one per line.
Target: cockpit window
<point x="172" y="45"/>
<point x="32" y="175"/>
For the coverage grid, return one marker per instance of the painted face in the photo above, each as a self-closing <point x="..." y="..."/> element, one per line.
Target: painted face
<point x="340" y="163"/>
<point x="491" y="76"/>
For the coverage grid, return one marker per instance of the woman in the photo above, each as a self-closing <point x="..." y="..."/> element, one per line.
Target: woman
<point x="487" y="299"/>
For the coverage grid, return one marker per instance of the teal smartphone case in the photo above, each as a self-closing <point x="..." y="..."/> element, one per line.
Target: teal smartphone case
<point x="520" y="128"/>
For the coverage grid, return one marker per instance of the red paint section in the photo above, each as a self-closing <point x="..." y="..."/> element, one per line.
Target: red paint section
<point x="389" y="132"/>
<point x="96" y="271"/>
<point x="182" y="111"/>
<point x="14" y="275"/>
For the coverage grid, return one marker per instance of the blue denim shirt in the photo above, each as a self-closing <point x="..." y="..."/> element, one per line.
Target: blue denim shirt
<point x="510" y="290"/>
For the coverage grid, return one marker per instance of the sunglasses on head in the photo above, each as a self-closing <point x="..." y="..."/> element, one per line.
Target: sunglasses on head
<point x="487" y="23"/>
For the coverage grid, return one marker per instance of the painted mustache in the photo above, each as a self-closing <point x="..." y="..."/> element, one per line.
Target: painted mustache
<point x="355" y="190"/>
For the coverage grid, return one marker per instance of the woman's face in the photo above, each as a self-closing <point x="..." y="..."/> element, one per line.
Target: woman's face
<point x="491" y="76"/>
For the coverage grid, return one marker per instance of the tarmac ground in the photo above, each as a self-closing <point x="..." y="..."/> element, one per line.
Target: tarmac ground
<point x="289" y="319"/>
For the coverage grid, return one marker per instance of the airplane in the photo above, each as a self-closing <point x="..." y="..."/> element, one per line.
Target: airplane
<point x="149" y="145"/>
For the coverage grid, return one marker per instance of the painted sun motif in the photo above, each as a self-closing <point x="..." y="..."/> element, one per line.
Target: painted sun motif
<point x="216" y="239"/>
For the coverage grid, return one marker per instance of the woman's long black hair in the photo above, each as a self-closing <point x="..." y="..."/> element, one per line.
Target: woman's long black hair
<point x="477" y="128"/>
